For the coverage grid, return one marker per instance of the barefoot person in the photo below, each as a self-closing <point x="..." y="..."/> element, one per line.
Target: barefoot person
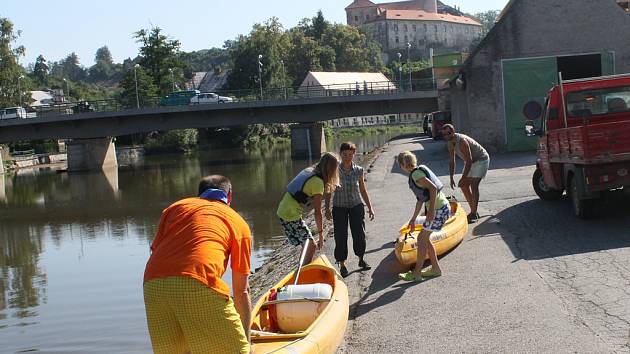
<point x="476" y="163"/>
<point x="427" y="189"/>
<point x="305" y="192"/>
<point x="348" y="207"/>
<point x="188" y="305"/>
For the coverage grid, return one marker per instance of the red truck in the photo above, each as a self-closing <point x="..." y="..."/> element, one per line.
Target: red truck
<point x="584" y="144"/>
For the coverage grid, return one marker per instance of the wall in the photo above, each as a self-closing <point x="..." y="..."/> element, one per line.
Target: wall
<point x="531" y="28"/>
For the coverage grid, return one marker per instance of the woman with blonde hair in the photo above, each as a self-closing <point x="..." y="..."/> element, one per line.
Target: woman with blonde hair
<point x="427" y="189"/>
<point x="304" y="192"/>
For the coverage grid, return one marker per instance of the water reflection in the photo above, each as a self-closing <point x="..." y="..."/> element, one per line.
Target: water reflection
<point x="3" y="193"/>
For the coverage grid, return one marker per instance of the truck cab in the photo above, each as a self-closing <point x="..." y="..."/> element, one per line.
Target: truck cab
<point x="584" y="141"/>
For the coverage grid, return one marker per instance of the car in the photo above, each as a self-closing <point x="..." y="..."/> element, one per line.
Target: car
<point x="178" y="98"/>
<point x="436" y="122"/>
<point x="209" y="97"/>
<point x="15" y="112"/>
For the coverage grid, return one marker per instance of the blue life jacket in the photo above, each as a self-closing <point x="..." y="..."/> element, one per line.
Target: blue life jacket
<point x="421" y="192"/>
<point x="296" y="186"/>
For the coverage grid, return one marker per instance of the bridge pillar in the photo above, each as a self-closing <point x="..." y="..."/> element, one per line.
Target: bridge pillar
<point x="91" y="154"/>
<point x="308" y="140"/>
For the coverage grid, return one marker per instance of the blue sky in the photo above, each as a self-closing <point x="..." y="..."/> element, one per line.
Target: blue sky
<point x="56" y="29"/>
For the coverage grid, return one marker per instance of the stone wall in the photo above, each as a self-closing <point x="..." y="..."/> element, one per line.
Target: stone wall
<point x="533" y="28"/>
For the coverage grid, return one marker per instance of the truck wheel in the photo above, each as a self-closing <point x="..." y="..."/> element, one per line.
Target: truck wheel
<point x="582" y="208"/>
<point x="543" y="191"/>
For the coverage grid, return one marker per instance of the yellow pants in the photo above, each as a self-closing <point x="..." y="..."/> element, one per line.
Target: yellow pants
<point x="184" y="315"/>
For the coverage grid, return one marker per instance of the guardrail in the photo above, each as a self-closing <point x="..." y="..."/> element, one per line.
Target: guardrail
<point x="243" y="95"/>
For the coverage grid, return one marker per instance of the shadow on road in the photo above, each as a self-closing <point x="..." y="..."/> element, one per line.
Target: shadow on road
<point x="541" y="229"/>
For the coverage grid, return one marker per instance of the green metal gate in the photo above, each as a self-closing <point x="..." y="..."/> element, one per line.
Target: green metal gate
<point x="525" y="80"/>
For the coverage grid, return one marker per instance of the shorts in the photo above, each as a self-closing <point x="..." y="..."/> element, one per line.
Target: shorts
<point x="479" y="169"/>
<point x="297" y="232"/>
<point x="184" y="315"/>
<point x="441" y="216"/>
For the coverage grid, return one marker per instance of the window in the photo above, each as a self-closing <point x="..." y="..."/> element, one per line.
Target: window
<point x="397" y="41"/>
<point x="395" y="27"/>
<point x="405" y="28"/>
<point x="367" y="17"/>
<point x="425" y="26"/>
<point x="406" y="39"/>
<point x="356" y="18"/>
<point x="599" y="101"/>
<point x="414" y="27"/>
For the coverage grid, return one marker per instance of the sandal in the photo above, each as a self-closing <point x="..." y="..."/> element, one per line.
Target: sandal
<point x="409" y="276"/>
<point x="430" y="274"/>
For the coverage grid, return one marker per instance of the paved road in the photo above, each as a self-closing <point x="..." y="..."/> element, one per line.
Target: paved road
<point x="529" y="277"/>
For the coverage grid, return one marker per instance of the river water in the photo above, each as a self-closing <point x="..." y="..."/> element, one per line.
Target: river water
<point x="73" y="246"/>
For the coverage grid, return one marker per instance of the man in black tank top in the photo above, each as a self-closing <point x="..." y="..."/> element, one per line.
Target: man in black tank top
<point x="476" y="163"/>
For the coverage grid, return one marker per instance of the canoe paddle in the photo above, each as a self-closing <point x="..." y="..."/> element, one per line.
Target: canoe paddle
<point x="306" y="246"/>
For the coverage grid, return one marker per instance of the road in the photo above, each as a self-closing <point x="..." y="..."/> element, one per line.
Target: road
<point x="529" y="277"/>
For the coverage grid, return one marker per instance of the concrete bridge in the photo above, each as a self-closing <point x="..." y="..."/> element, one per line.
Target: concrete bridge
<point x="91" y="146"/>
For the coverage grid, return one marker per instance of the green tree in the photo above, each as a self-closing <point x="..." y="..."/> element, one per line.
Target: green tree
<point x="269" y="40"/>
<point x="104" y="68"/>
<point x="158" y="54"/>
<point x="354" y="50"/>
<point x="10" y="70"/>
<point x="40" y="70"/>
<point x="70" y="68"/>
<point x="487" y="20"/>
<point x="147" y="91"/>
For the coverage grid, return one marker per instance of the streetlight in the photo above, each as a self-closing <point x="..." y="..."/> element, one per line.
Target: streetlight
<point x="67" y="89"/>
<point x="284" y="79"/>
<point x="19" y="88"/>
<point x="409" y="65"/>
<point x="399" y="70"/>
<point x="260" y="65"/>
<point x="172" y="78"/>
<point x="135" y="78"/>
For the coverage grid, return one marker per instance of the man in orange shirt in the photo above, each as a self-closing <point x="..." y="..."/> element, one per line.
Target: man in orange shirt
<point x="188" y="305"/>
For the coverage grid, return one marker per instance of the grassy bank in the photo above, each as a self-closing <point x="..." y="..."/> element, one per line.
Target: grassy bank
<point x="373" y="130"/>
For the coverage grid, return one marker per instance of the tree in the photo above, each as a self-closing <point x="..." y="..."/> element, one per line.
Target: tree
<point x="10" y="70"/>
<point x="487" y="20"/>
<point x="147" y="91"/>
<point x="70" y="68"/>
<point x="354" y="50"/>
<point x="40" y="70"/>
<point x="103" y="69"/>
<point x="158" y="54"/>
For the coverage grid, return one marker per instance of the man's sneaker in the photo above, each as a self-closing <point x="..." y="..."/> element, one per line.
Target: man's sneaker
<point x="363" y="265"/>
<point x="472" y="218"/>
<point x="344" y="271"/>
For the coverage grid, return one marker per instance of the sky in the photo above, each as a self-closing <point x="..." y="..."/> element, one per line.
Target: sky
<point x="55" y="29"/>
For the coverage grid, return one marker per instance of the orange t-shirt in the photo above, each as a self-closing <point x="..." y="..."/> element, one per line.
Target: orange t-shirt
<point x="195" y="239"/>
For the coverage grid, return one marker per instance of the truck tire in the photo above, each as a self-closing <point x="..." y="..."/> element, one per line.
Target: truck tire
<point x="582" y="208"/>
<point x="543" y="191"/>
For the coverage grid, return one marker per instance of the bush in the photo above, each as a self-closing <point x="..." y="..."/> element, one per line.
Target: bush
<point x="171" y="141"/>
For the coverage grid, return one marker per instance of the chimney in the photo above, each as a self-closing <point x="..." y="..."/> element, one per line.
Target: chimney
<point x="430" y="6"/>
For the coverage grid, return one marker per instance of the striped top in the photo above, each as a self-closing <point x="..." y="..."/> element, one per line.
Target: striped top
<point x="347" y="194"/>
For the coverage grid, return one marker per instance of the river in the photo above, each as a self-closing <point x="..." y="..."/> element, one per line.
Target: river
<point x="73" y="246"/>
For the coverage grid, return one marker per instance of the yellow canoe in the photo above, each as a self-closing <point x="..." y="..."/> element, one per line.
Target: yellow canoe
<point x="327" y="331"/>
<point x="451" y="235"/>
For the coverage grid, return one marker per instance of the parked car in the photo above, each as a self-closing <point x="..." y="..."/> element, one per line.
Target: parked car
<point x="584" y="141"/>
<point x="178" y="98"/>
<point x="209" y="97"/>
<point x="438" y="119"/>
<point x="15" y="112"/>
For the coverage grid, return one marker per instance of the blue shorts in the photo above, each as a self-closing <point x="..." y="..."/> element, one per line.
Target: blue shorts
<point x="441" y="216"/>
<point x="297" y="231"/>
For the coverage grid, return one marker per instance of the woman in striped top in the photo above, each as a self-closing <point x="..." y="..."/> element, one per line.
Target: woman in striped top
<point x="349" y="208"/>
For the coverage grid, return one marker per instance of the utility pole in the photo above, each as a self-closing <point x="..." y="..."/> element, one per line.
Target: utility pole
<point x="400" y="83"/>
<point x="172" y="78"/>
<point x="284" y="79"/>
<point x="20" y="88"/>
<point x="260" y="65"/>
<point x="409" y="65"/>
<point x="135" y="78"/>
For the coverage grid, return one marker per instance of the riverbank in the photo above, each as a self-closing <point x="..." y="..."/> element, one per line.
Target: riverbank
<point x="284" y="259"/>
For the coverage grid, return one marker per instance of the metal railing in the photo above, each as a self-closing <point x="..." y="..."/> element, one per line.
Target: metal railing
<point x="243" y="95"/>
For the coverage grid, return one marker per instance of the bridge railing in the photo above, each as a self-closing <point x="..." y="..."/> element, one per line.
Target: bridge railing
<point x="245" y="95"/>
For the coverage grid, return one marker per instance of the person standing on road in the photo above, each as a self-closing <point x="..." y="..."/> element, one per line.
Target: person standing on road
<point x="348" y="207"/>
<point x="305" y="192"/>
<point x="476" y="163"/>
<point x="188" y="305"/>
<point x="428" y="191"/>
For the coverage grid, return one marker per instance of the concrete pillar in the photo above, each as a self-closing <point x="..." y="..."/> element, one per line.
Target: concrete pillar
<point x="308" y="140"/>
<point x="91" y="154"/>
